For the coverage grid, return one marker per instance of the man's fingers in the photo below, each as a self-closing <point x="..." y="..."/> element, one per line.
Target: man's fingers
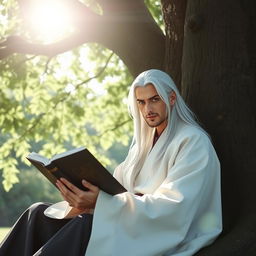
<point x="70" y="186"/>
<point x="60" y="187"/>
<point x="67" y="194"/>
<point x="78" y="198"/>
<point x="89" y="186"/>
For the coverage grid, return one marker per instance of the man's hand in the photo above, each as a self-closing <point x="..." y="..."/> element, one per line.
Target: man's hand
<point x="82" y="200"/>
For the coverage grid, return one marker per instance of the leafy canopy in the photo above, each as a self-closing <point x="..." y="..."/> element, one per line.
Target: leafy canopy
<point x="73" y="99"/>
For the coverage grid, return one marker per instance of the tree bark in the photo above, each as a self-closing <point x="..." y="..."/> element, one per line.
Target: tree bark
<point x="174" y="16"/>
<point x="218" y="82"/>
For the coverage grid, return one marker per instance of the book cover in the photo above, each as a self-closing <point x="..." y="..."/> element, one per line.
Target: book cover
<point x="76" y="165"/>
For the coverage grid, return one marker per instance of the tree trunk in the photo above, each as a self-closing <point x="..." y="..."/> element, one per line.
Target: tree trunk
<point x="218" y="82"/>
<point x="174" y="16"/>
<point x="214" y="57"/>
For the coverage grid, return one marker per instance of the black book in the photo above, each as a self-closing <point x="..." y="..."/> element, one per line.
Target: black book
<point x="76" y="165"/>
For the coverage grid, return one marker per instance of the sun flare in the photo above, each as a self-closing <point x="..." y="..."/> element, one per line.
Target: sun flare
<point x="49" y="20"/>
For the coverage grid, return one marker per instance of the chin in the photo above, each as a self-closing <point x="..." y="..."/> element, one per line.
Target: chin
<point x="153" y="125"/>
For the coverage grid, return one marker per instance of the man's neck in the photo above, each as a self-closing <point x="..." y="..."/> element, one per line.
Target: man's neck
<point x="156" y="137"/>
<point x="160" y="128"/>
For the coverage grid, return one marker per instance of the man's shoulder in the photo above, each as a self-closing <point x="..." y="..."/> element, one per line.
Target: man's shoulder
<point x="192" y="138"/>
<point x="188" y="130"/>
<point x="191" y="134"/>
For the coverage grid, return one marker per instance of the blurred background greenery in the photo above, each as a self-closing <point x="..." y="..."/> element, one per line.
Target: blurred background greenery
<point x="52" y="104"/>
<point x="34" y="187"/>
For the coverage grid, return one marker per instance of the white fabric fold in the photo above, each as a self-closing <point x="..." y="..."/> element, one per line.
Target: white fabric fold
<point x="180" y="211"/>
<point x="59" y="210"/>
<point x="62" y="210"/>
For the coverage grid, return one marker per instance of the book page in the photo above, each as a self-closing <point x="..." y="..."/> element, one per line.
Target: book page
<point x="39" y="158"/>
<point x="67" y="153"/>
<point x="45" y="161"/>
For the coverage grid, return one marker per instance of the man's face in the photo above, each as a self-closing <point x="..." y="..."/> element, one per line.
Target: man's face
<point x="152" y="107"/>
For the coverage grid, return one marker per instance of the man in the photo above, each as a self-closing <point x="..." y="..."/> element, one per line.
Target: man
<point x="172" y="175"/>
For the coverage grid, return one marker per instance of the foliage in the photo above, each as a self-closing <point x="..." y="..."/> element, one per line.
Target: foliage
<point x="32" y="188"/>
<point x="73" y="99"/>
<point x="56" y="101"/>
<point x="155" y="9"/>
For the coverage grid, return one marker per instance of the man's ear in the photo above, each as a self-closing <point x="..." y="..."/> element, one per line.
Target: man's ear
<point x="172" y="98"/>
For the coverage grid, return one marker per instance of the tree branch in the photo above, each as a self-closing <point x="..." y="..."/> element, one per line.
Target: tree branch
<point x="38" y="119"/>
<point x="99" y="73"/>
<point x="84" y="82"/>
<point x="121" y="6"/>
<point x="46" y="66"/>
<point x="131" y="33"/>
<point x="16" y="44"/>
<point x="111" y="129"/>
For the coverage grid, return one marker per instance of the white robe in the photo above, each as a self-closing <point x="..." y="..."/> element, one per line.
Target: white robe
<point x="180" y="211"/>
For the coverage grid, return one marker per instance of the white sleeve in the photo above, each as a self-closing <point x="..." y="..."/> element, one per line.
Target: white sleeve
<point x="179" y="218"/>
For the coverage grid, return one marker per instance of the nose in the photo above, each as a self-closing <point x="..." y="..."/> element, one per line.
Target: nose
<point x="148" y="108"/>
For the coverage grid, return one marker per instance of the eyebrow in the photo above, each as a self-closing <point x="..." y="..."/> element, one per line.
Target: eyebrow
<point x="149" y="98"/>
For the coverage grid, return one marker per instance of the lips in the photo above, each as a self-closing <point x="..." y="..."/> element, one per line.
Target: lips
<point x="151" y="116"/>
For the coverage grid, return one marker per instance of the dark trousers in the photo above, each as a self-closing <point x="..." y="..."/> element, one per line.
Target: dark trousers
<point x="35" y="234"/>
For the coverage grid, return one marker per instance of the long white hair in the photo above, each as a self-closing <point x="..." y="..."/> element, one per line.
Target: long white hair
<point x="143" y="134"/>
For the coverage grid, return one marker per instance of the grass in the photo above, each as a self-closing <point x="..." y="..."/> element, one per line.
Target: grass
<point x="3" y="232"/>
